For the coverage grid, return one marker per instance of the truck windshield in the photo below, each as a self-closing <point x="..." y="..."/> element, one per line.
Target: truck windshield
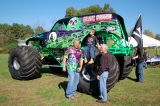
<point x="59" y="26"/>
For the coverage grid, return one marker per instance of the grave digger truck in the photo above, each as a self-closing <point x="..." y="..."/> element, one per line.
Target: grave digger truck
<point x="48" y="48"/>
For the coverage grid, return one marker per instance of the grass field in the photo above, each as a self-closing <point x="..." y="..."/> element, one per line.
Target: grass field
<point x="45" y="91"/>
<point x="153" y="51"/>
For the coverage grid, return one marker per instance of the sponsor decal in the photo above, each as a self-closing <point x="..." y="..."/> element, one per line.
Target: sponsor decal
<point x="103" y="17"/>
<point x="96" y="18"/>
<point x="88" y="19"/>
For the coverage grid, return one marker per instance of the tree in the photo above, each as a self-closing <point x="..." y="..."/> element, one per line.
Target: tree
<point x="71" y="11"/>
<point x="38" y="29"/>
<point x="107" y="8"/>
<point x="10" y="33"/>
<point x="20" y="31"/>
<point x="89" y="10"/>
<point x="5" y="29"/>
<point x="1" y="40"/>
<point x="157" y="36"/>
<point x="28" y="31"/>
<point x="148" y="33"/>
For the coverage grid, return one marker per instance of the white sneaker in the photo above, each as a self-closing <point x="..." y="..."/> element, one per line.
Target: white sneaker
<point x="85" y="60"/>
<point x="91" y="61"/>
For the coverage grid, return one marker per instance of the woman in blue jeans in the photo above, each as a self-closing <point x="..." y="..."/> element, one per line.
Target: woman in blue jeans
<point x="72" y="62"/>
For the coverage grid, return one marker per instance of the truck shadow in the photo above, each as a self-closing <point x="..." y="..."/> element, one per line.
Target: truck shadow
<point x="55" y="71"/>
<point x="133" y="79"/>
<point x="63" y="84"/>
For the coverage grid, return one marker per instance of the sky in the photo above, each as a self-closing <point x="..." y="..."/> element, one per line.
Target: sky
<point x="47" y="12"/>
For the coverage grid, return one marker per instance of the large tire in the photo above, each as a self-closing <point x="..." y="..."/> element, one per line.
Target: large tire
<point x="24" y="63"/>
<point x="88" y="82"/>
<point x="126" y="65"/>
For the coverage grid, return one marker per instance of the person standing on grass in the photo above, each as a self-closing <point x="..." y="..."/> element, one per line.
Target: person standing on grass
<point x="139" y="66"/>
<point x="102" y="63"/>
<point x="145" y="57"/>
<point x="91" y="43"/>
<point x="72" y="62"/>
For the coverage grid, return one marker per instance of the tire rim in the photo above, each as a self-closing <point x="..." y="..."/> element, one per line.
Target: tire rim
<point x="16" y="64"/>
<point x="88" y="75"/>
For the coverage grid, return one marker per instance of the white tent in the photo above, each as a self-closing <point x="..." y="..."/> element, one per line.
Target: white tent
<point x="147" y="41"/>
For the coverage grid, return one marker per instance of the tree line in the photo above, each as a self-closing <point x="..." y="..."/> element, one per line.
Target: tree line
<point x="151" y="34"/>
<point x="9" y="34"/>
<point x="71" y="11"/>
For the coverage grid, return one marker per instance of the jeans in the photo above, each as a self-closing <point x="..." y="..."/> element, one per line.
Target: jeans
<point x="73" y="80"/>
<point x="145" y="64"/>
<point x="139" y="72"/>
<point x="91" y="51"/>
<point x="103" y="85"/>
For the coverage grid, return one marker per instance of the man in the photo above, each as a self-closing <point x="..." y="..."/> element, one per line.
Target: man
<point x="73" y="61"/>
<point x="102" y="63"/>
<point x="139" y="66"/>
<point x="145" y="57"/>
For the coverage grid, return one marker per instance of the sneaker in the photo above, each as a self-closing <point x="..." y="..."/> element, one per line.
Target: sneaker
<point x="85" y="60"/>
<point x="101" y="101"/>
<point x="71" y="97"/>
<point x="76" y="96"/>
<point x="91" y="61"/>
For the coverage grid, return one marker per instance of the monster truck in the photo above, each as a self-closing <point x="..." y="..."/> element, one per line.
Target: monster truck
<point x="48" y="48"/>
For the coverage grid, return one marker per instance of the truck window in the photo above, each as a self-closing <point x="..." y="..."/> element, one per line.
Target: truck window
<point x="59" y="27"/>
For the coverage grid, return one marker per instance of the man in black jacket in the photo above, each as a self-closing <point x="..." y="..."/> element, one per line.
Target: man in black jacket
<point x="139" y="66"/>
<point x="102" y="63"/>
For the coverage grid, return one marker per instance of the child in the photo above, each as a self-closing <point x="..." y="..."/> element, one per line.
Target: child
<point x="91" y="43"/>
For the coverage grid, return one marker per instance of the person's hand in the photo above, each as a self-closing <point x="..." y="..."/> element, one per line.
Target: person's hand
<point x="64" y="69"/>
<point x="79" y="69"/>
<point x="98" y="46"/>
<point x="134" y="57"/>
<point x="98" y="77"/>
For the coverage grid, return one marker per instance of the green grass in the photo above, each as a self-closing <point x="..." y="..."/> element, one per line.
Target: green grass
<point x="3" y="98"/>
<point x="153" y="51"/>
<point x="45" y="91"/>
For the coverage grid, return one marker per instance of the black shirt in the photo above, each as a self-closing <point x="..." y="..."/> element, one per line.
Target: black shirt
<point x="145" y="56"/>
<point x="140" y="58"/>
<point x="103" y="62"/>
<point x="91" y="40"/>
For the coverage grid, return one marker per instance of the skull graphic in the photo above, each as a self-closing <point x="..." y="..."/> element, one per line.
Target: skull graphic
<point x="74" y="24"/>
<point x="72" y="58"/>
